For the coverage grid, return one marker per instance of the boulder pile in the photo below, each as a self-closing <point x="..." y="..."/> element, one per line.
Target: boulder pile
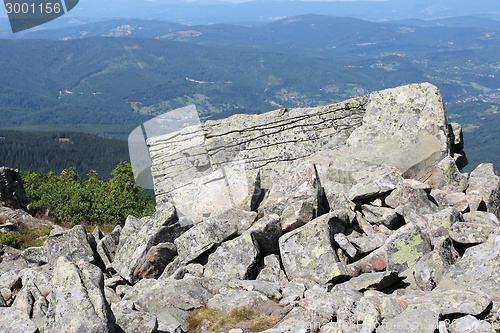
<point x="352" y="217"/>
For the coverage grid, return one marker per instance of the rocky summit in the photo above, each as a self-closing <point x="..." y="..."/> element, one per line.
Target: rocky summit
<point x="352" y="217"/>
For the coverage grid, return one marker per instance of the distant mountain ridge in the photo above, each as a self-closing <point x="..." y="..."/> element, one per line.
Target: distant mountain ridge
<point x="108" y="86"/>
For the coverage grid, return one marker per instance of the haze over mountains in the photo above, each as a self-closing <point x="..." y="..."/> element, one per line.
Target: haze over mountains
<point x="74" y="77"/>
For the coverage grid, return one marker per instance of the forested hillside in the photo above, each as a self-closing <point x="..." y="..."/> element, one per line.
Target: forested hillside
<point x="110" y="85"/>
<point x="56" y="151"/>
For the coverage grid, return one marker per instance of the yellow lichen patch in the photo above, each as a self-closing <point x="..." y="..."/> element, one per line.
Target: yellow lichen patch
<point x="407" y="251"/>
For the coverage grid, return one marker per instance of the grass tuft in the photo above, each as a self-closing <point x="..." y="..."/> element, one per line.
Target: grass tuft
<point x="28" y="236"/>
<point x="248" y="320"/>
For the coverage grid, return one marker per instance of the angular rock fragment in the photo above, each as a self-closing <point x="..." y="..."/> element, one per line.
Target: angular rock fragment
<point x="236" y="299"/>
<point x="345" y="245"/>
<point x="14" y="320"/>
<point x="415" y="318"/>
<point x="482" y="218"/>
<point x="135" y="321"/>
<point x="137" y="238"/>
<point x="429" y="270"/>
<point x="202" y="237"/>
<point x="155" y="261"/>
<point x="240" y="218"/>
<point x="378" y="281"/>
<point x="234" y="259"/>
<point x="296" y="215"/>
<point x="77" y="301"/>
<point x="381" y="215"/>
<point x="471" y="233"/>
<point x="447" y="175"/>
<point x="72" y="244"/>
<point x="470" y="324"/>
<point x="272" y="271"/>
<point x="107" y="245"/>
<point x="407" y="199"/>
<point x="374" y="181"/>
<point x="485" y="181"/>
<point x="440" y="223"/>
<point x="169" y="300"/>
<point x="314" y="260"/>
<point x="266" y="232"/>
<point x="405" y="247"/>
<point x="298" y="183"/>
<point x="269" y="289"/>
<point x="374" y="262"/>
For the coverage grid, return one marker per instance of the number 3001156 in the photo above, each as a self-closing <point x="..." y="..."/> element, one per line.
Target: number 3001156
<point x="31" y="8"/>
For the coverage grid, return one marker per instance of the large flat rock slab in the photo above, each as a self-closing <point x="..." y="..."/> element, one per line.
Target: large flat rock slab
<point x="235" y="161"/>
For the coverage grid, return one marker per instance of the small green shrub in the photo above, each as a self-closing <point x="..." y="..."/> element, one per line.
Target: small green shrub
<point x="12" y="239"/>
<point x="29" y="236"/>
<point x="72" y="200"/>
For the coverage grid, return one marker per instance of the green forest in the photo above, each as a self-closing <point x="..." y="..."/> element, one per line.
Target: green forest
<point x="55" y="151"/>
<point x="51" y="90"/>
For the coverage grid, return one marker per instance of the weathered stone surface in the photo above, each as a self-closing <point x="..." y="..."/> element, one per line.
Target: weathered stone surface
<point x="374" y="262"/>
<point x="240" y="218"/>
<point x="169" y="300"/>
<point x="315" y="260"/>
<point x="269" y="289"/>
<point x="272" y="271"/>
<point x="234" y="259"/>
<point x="298" y="183"/>
<point x="479" y="269"/>
<point x="35" y="255"/>
<point x="72" y="244"/>
<point x="244" y="143"/>
<point x="420" y="318"/>
<point x="378" y="280"/>
<point x="367" y="244"/>
<point x="481" y="218"/>
<point x="266" y="232"/>
<point x="429" y="270"/>
<point x="202" y="237"/>
<point x="412" y="136"/>
<point x="129" y="321"/>
<point x="11" y="189"/>
<point x="485" y="181"/>
<point x="471" y="233"/>
<point x="381" y="215"/>
<point x="345" y="245"/>
<point x="10" y="280"/>
<point x="31" y="301"/>
<point x="447" y="175"/>
<point x="238" y="299"/>
<point x="296" y="215"/>
<point x="155" y="261"/>
<point x="450" y="301"/>
<point x="11" y="260"/>
<point x="366" y="315"/>
<point x="374" y="181"/>
<point x="406" y="199"/>
<point x="107" y="245"/>
<point x="14" y="320"/>
<point x="439" y="224"/>
<point x="77" y="301"/>
<point x="405" y="247"/>
<point x="136" y="240"/>
<point x="470" y="324"/>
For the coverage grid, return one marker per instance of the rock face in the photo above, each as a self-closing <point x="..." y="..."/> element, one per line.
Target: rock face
<point x="11" y="189"/>
<point x="405" y="126"/>
<point x="352" y="217"/>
